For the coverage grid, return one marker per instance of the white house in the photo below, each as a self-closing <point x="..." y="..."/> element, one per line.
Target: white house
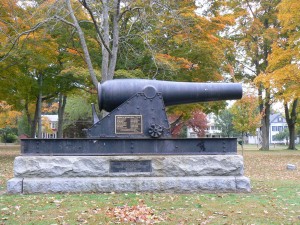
<point x="49" y="129"/>
<point x="277" y="125"/>
<point x="212" y="130"/>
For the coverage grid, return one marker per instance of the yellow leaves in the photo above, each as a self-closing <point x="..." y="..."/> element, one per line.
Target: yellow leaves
<point x="279" y="59"/>
<point x="213" y="38"/>
<point x="175" y="63"/>
<point x="246" y="115"/>
<point x="282" y="76"/>
<point x="46" y="125"/>
<point x="8" y="117"/>
<point x="289" y="14"/>
<point x="224" y="20"/>
<point x="284" y="82"/>
<point x="53" y="108"/>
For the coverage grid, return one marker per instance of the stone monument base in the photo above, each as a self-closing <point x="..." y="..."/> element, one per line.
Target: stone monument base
<point x="134" y="173"/>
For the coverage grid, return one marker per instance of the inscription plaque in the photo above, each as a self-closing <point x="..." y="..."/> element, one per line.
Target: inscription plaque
<point x="128" y="124"/>
<point x="142" y="166"/>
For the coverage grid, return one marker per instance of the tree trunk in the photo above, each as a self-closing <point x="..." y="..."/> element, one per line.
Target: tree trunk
<point x="292" y="134"/>
<point x="29" y="121"/>
<point x="291" y="118"/>
<point x="105" y="28"/>
<point x="61" y="110"/>
<point x="242" y="145"/>
<point x="265" y="109"/>
<point x="34" y="121"/>
<point x="115" y="41"/>
<point x="39" y="107"/>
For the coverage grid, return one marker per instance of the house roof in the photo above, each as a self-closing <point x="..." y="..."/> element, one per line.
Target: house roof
<point x="274" y="116"/>
<point x="52" y="118"/>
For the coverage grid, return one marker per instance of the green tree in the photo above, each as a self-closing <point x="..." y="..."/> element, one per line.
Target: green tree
<point x="78" y="114"/>
<point x="8" y="135"/>
<point x="39" y="66"/>
<point x="224" y="121"/>
<point x="281" y="136"/>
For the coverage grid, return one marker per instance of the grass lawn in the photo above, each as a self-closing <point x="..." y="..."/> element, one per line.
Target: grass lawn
<point x="275" y="199"/>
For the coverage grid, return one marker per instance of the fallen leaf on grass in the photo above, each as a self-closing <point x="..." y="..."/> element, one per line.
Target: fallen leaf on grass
<point x="140" y="213"/>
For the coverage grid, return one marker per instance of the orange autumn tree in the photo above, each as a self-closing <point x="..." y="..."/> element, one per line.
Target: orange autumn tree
<point x="257" y="29"/>
<point x="190" y="46"/>
<point x="282" y="76"/>
<point x="8" y="116"/>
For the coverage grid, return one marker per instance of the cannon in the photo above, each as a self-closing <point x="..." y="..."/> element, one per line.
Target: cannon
<point x="137" y="106"/>
<point x="137" y="122"/>
<point x="113" y="93"/>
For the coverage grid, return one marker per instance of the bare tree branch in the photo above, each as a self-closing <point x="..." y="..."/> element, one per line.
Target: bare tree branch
<point x="250" y="8"/>
<point x="83" y="44"/>
<point x="86" y="6"/>
<point x="65" y="21"/>
<point x="128" y="10"/>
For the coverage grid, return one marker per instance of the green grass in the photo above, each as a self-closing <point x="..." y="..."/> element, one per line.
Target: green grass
<point x="275" y="198"/>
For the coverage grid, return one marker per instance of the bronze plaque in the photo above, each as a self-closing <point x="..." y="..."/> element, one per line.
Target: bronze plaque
<point x="128" y="124"/>
<point x="141" y="166"/>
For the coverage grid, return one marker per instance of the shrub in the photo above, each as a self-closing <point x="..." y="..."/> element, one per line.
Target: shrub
<point x="9" y="138"/>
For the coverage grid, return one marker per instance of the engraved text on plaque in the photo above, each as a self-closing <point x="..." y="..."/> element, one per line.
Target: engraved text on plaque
<point x="128" y="124"/>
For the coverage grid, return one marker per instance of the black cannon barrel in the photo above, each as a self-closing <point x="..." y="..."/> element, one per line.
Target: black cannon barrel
<point x="113" y="93"/>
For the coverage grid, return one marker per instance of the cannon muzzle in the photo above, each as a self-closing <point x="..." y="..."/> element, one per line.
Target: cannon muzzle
<point x="113" y="93"/>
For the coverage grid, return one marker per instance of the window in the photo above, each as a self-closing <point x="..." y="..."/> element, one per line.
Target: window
<point x="279" y="119"/>
<point x="53" y="125"/>
<point x="274" y="128"/>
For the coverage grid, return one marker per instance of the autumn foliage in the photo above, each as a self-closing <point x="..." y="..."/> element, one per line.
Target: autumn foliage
<point x="197" y="121"/>
<point x="246" y="117"/>
<point x="8" y="116"/>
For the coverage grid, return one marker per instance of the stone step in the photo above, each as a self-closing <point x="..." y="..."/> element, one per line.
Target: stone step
<point x="210" y="184"/>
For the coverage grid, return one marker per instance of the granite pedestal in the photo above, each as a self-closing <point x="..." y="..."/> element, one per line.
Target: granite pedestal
<point x="134" y="173"/>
